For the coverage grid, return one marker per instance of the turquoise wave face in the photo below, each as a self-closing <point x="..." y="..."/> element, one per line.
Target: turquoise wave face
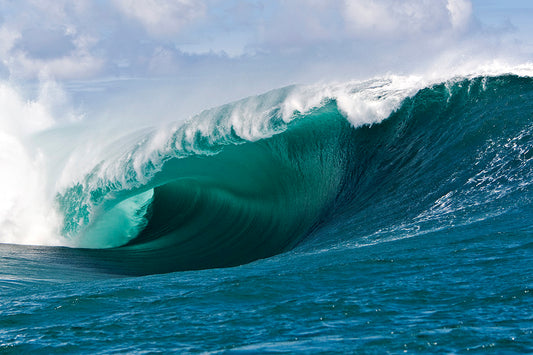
<point x="453" y="154"/>
<point x="246" y="202"/>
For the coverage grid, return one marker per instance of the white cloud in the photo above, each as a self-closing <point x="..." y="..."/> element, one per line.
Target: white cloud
<point x="76" y="66"/>
<point x="8" y="39"/>
<point x="77" y="63"/>
<point x="381" y="18"/>
<point x="162" y="17"/>
<point x="46" y="39"/>
<point x="289" y="39"/>
<point x="460" y="12"/>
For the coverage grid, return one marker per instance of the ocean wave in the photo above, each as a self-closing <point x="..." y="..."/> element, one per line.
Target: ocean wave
<point x="257" y="177"/>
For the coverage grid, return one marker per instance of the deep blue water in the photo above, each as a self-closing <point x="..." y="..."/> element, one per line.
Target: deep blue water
<point x="410" y="235"/>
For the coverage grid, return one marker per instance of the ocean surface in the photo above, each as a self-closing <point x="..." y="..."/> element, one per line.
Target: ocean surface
<point x="386" y="216"/>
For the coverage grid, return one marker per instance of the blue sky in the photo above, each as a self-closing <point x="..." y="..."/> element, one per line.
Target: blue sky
<point x="517" y="12"/>
<point x="262" y="43"/>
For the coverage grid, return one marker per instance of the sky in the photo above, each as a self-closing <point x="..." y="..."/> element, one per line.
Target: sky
<point x="226" y="49"/>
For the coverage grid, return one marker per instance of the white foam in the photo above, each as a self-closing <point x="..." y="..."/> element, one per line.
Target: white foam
<point x="365" y="102"/>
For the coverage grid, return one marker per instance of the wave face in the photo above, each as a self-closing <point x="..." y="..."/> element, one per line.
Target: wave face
<point x="258" y="177"/>
<point x="232" y="205"/>
<point x="455" y="155"/>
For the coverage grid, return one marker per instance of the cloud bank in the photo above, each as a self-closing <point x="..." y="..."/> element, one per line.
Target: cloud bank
<point x="82" y="40"/>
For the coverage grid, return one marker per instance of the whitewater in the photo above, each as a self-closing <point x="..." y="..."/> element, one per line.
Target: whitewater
<point x="390" y="213"/>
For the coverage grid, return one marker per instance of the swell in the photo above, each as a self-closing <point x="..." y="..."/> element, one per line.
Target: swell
<point x="454" y="153"/>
